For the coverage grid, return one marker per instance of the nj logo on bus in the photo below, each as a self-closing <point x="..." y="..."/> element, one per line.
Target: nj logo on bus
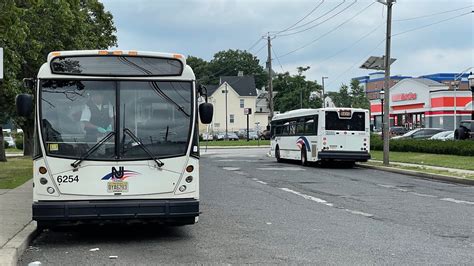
<point x="120" y="174"/>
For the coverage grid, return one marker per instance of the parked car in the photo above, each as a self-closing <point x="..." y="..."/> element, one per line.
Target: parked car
<point x="10" y="141"/>
<point x="420" y="133"/>
<point x="207" y="136"/>
<point x="465" y="130"/>
<point x="442" y="135"/>
<point x="398" y="131"/>
<point x="219" y="136"/>
<point x="450" y="136"/>
<point x="252" y="135"/>
<point x="232" y="136"/>
<point x="265" y="135"/>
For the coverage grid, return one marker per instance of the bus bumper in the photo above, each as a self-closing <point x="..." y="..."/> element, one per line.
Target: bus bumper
<point x="176" y="211"/>
<point x="356" y="156"/>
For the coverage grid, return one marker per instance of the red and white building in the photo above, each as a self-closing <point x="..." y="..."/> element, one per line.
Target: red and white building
<point x="423" y="102"/>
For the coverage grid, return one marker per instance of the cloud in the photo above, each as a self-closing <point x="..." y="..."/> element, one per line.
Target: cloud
<point x="202" y="28"/>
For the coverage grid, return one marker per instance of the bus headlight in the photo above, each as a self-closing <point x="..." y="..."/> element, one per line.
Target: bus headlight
<point x="43" y="181"/>
<point x="189" y="179"/>
<point x="50" y="190"/>
<point x="182" y="188"/>
<point x="42" y="170"/>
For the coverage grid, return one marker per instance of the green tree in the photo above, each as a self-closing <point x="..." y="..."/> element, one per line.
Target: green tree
<point x="200" y="68"/>
<point x="230" y="62"/>
<point x="13" y="32"/>
<point x="42" y="27"/>
<point x="291" y="89"/>
<point x="359" y="98"/>
<point x="341" y="98"/>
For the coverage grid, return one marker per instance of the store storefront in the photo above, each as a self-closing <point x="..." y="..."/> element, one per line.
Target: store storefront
<point x="420" y="102"/>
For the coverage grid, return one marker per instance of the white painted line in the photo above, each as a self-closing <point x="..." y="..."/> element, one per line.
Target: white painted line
<point x="236" y="160"/>
<point x="360" y="213"/>
<point x="231" y="168"/>
<point x="458" y="201"/>
<point x="262" y="182"/>
<point x="308" y="197"/>
<point x="423" y="195"/>
<point x="281" y="169"/>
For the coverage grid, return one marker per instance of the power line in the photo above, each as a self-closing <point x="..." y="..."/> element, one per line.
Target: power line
<point x="358" y="62"/>
<point x="431" y="24"/>
<point x="276" y="56"/>
<point x="255" y="44"/>
<point x="433" y="14"/>
<point x="328" y="32"/>
<point x="311" y="12"/>
<point x="327" y="12"/>
<point x="353" y="44"/>
<point x="258" y="51"/>
<point x="322" y="22"/>
<point x="400" y="33"/>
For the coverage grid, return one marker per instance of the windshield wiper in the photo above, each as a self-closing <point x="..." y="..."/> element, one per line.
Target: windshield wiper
<point x="92" y="149"/>
<point x="144" y="148"/>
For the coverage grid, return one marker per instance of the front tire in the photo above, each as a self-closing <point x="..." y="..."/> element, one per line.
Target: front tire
<point x="277" y="154"/>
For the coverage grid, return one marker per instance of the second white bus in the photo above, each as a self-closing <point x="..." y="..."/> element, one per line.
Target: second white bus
<point x="326" y="134"/>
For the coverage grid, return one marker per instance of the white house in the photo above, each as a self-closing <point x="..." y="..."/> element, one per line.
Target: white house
<point x="241" y="94"/>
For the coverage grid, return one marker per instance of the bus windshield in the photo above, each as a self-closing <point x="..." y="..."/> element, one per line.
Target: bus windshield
<point x="76" y="114"/>
<point x="354" y="123"/>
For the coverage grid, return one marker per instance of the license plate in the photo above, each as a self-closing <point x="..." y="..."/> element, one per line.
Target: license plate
<point x="117" y="186"/>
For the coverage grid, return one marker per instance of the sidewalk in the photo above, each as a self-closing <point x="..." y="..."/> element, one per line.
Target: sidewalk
<point x="15" y="215"/>
<point x="453" y="170"/>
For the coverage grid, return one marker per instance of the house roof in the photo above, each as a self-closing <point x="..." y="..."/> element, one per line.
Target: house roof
<point x="243" y="85"/>
<point x="427" y="82"/>
<point x="211" y="89"/>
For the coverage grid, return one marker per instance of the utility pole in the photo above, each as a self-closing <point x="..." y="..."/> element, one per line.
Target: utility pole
<point x="270" y="82"/>
<point x="386" y="107"/>
<point x="322" y="95"/>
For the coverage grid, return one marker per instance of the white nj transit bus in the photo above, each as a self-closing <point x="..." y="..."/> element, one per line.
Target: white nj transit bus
<point x="326" y="134"/>
<point x="116" y="138"/>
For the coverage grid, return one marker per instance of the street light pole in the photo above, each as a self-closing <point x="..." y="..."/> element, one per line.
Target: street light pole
<point x="386" y="107"/>
<point x="226" y="132"/>
<point x="322" y="95"/>
<point x="382" y="93"/>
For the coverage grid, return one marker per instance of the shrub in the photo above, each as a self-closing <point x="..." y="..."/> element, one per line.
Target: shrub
<point x="5" y="144"/>
<point x="453" y="147"/>
<point x="19" y="143"/>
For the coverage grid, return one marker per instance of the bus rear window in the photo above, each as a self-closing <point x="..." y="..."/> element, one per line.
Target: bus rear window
<point x="116" y="66"/>
<point x="355" y="123"/>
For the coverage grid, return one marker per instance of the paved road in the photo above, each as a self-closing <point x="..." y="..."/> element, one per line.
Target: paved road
<point x="258" y="211"/>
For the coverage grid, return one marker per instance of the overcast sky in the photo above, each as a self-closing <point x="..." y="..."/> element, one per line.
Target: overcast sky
<point x="343" y="33"/>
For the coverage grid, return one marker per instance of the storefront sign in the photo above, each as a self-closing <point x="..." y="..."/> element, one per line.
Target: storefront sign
<point x="403" y="97"/>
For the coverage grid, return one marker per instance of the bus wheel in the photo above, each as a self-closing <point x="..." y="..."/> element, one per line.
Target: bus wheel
<point x="277" y="154"/>
<point x="304" y="160"/>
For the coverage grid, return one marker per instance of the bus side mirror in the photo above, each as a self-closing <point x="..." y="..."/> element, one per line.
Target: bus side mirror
<point x="206" y="111"/>
<point x="24" y="104"/>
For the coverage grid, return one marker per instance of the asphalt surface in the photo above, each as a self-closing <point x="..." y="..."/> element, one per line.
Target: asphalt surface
<point x="256" y="210"/>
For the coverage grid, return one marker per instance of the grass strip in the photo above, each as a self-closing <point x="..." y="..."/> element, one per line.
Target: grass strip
<point x="441" y="160"/>
<point x="15" y="172"/>
<point x="425" y="170"/>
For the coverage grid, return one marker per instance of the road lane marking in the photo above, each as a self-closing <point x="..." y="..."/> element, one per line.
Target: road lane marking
<point x="259" y="181"/>
<point x="281" y="169"/>
<point x="422" y="195"/>
<point x="457" y="201"/>
<point x="360" y="213"/>
<point x="231" y="168"/>
<point x="308" y="197"/>
<point x="406" y="190"/>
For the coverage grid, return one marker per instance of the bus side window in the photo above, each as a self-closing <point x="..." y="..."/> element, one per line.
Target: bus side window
<point x="316" y="124"/>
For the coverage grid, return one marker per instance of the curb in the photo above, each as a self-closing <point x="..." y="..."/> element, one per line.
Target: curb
<point x="14" y="248"/>
<point x="438" y="177"/>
